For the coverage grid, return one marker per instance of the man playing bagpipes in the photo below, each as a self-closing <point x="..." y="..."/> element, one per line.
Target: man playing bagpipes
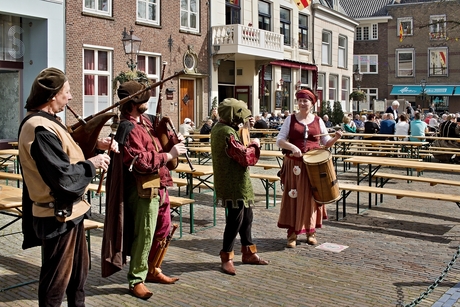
<point x="138" y="221"/>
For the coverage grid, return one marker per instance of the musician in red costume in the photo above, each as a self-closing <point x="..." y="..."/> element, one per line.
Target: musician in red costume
<point x="299" y="212"/>
<point x="140" y="224"/>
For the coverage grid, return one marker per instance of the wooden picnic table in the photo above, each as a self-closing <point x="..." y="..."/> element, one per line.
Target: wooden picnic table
<point x="373" y="164"/>
<point x="10" y="203"/>
<point x="14" y="144"/>
<point x="202" y="175"/>
<point x="7" y="156"/>
<point x="342" y="145"/>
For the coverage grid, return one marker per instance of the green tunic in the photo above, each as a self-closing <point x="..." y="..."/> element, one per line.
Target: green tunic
<point x="231" y="180"/>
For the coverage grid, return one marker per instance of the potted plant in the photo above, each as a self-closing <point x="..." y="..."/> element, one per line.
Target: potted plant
<point x="357" y="95"/>
<point x="129" y="75"/>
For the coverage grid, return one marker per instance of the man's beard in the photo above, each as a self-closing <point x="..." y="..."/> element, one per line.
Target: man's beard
<point x="142" y="108"/>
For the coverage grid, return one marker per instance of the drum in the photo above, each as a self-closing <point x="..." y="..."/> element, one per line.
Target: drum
<point x="321" y="173"/>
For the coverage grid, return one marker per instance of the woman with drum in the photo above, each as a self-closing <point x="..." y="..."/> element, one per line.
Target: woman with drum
<point x="301" y="132"/>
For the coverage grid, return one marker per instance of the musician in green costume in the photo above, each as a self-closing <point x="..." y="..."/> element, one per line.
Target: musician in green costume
<point x="231" y="160"/>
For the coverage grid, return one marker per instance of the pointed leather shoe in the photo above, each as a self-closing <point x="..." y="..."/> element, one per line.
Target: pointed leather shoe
<point x="227" y="263"/>
<point x="140" y="290"/>
<point x="161" y="279"/>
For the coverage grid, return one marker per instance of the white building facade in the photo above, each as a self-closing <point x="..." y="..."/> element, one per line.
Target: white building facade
<point x="263" y="51"/>
<point x="32" y="37"/>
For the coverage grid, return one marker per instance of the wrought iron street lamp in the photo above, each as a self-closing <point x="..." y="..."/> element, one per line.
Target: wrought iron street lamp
<point x="358" y="77"/>
<point x="423" y="85"/>
<point x="132" y="46"/>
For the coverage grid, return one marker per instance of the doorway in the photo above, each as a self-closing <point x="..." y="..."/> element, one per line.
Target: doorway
<point x="10" y="106"/>
<point x="187" y="100"/>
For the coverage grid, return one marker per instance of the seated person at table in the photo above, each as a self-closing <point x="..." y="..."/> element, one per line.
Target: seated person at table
<point x="417" y="128"/>
<point x="274" y="120"/>
<point x="450" y="129"/>
<point x="433" y="123"/>
<point x="409" y="110"/>
<point x="186" y="128"/>
<point x="327" y="122"/>
<point x="402" y="127"/>
<point x="387" y="125"/>
<point x="370" y="126"/>
<point x="259" y="124"/>
<point x="206" y="129"/>
<point x="347" y="125"/>
<point x="358" y="122"/>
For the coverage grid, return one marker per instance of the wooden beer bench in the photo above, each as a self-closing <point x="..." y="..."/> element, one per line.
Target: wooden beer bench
<point x="348" y="188"/>
<point x="91" y="224"/>
<point x="269" y="183"/>
<point x="176" y="204"/>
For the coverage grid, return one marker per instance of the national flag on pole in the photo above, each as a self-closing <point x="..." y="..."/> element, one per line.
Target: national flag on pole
<point x="301" y="4"/>
<point x="401" y="32"/>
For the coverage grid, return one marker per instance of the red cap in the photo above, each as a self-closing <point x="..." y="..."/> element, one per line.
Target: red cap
<point x="304" y="93"/>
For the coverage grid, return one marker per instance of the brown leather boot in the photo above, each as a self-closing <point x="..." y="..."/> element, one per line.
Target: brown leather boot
<point x="311" y="239"/>
<point x="161" y="278"/>
<point x="227" y="262"/>
<point x="250" y="256"/>
<point x="140" y="290"/>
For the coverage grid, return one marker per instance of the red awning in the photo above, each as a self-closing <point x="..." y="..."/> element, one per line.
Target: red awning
<point x="292" y="64"/>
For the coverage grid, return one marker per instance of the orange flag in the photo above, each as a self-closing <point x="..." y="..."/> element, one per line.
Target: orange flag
<point x="301" y="4"/>
<point x="401" y="32"/>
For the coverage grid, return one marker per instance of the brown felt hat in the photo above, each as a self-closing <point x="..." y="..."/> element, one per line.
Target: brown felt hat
<point x="46" y="85"/>
<point x="131" y="87"/>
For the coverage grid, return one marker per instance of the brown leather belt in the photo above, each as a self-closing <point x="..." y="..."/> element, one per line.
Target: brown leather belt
<point x="51" y="204"/>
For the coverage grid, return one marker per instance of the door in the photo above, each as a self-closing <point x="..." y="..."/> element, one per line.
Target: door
<point x="187" y="100"/>
<point x="244" y="93"/>
<point x="10" y="104"/>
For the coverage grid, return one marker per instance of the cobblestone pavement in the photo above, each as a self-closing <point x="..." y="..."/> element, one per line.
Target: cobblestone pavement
<point x="395" y="251"/>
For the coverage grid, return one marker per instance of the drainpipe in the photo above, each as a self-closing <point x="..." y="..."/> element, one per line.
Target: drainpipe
<point x="210" y="66"/>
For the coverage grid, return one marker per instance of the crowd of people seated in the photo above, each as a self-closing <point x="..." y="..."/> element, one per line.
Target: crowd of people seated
<point x="412" y="123"/>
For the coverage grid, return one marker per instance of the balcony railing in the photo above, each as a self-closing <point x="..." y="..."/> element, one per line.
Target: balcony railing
<point x="248" y="40"/>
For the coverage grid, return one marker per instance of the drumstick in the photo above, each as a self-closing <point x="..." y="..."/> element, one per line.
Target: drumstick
<point x="323" y="134"/>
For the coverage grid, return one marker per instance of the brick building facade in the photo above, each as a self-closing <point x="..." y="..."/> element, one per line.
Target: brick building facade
<point x="95" y="53"/>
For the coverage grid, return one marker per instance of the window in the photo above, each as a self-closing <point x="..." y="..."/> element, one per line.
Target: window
<point x="286" y="89"/>
<point x="438" y="27"/>
<point x="367" y="64"/>
<point x="342" y="60"/>
<point x="232" y="12"/>
<point x="333" y="88"/>
<point x="405" y="24"/>
<point x="438" y="61"/>
<point x="264" y="16"/>
<point x="321" y="79"/>
<point x="148" y="11"/>
<point x="365" y="33"/>
<point x="303" y="31"/>
<point x="285" y="25"/>
<point x="326" y="48"/>
<point x="102" y="7"/>
<point x="405" y="63"/>
<point x="345" y="92"/>
<point x="97" y="80"/>
<point x="265" y="89"/>
<point x="150" y="64"/>
<point x="189" y="15"/>
<point x="304" y="76"/>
